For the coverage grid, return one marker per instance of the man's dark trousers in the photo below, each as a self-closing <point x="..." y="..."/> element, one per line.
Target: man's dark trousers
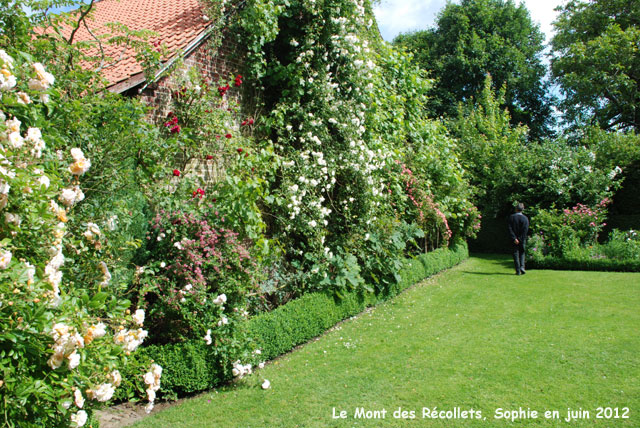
<point x="518" y="256"/>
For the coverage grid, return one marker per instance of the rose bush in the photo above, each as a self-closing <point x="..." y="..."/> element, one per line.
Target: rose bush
<point x="344" y="109"/>
<point x="64" y="338"/>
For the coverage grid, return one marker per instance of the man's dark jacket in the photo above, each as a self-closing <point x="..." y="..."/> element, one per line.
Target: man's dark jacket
<point x="518" y="227"/>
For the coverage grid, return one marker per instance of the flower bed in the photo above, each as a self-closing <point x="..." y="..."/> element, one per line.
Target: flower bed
<point x="192" y="366"/>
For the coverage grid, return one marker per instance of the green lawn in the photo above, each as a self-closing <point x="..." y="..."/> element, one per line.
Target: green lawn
<point x="476" y="337"/>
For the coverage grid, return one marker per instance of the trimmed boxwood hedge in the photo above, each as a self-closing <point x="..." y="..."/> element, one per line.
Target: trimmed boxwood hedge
<point x="188" y="367"/>
<point x="297" y="322"/>
<point x="610" y="265"/>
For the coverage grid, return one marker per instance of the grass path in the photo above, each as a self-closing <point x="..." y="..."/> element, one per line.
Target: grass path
<point x="476" y="337"/>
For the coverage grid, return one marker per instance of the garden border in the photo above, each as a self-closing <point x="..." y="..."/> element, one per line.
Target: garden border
<point x="191" y="367"/>
<point x="604" y="265"/>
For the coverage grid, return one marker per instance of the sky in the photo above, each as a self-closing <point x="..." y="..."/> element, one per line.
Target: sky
<point x="401" y="16"/>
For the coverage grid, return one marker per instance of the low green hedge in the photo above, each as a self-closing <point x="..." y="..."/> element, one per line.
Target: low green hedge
<point x="609" y="265"/>
<point x="189" y="367"/>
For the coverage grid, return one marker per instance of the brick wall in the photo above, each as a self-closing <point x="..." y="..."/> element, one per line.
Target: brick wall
<point x="216" y="66"/>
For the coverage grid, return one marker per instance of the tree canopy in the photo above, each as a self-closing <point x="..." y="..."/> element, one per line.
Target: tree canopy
<point x="597" y="62"/>
<point x="480" y="37"/>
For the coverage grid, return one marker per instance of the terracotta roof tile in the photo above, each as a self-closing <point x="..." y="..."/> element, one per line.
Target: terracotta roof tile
<point x="176" y="22"/>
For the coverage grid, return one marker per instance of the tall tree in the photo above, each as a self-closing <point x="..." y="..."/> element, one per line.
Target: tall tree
<point x="488" y="145"/>
<point x="480" y="37"/>
<point x="596" y="60"/>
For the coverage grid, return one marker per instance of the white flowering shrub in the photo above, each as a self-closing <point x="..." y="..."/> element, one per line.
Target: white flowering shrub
<point x="63" y="338"/>
<point x="342" y="118"/>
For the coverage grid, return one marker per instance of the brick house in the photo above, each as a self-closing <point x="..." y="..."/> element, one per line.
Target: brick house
<point x="181" y="26"/>
<point x="184" y="29"/>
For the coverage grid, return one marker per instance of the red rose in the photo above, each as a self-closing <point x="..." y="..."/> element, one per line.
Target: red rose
<point x="250" y="121"/>
<point x="238" y="80"/>
<point x="175" y="129"/>
<point x="239" y="150"/>
<point x="244" y="122"/>
<point x="228" y="136"/>
<point x="199" y="193"/>
<point x="222" y="90"/>
<point x="176" y="173"/>
<point x="209" y="157"/>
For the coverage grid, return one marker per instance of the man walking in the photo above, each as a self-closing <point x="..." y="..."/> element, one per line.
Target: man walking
<point x="518" y="229"/>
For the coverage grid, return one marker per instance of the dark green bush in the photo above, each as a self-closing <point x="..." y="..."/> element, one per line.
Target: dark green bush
<point x="610" y="265"/>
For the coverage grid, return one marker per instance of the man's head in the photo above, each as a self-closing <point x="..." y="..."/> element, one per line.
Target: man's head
<point x="520" y="207"/>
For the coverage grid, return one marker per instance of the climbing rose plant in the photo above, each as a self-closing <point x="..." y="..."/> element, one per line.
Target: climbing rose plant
<point x="63" y="342"/>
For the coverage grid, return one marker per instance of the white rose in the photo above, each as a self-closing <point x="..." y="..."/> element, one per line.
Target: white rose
<point x="80" y="418"/>
<point x="73" y="360"/>
<point x="44" y="181"/>
<point x="80" y="166"/>
<point x="77" y="154"/>
<point x="138" y="317"/>
<point x="4" y="187"/>
<point x="45" y="78"/>
<point x="13" y="125"/>
<point x="78" y="398"/>
<point x="34" y="134"/>
<point x="104" y="392"/>
<point x="220" y="300"/>
<point x="6" y="59"/>
<point x="15" y="140"/>
<point x="266" y="384"/>
<point x="5" y="259"/>
<point x="149" y="378"/>
<point x="55" y="360"/>
<point x="68" y="197"/>
<point x="156" y="369"/>
<point x="8" y="82"/>
<point x="79" y="194"/>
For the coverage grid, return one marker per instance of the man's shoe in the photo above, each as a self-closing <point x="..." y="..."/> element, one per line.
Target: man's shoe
<point x="518" y="273"/>
<point x="522" y="271"/>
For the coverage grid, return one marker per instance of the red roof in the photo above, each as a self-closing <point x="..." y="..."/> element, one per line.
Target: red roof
<point x="176" y="23"/>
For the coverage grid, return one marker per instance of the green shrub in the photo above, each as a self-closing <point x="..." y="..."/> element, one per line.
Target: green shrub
<point x="622" y="245"/>
<point x="590" y="264"/>
<point x="620" y="253"/>
<point x="192" y="367"/>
